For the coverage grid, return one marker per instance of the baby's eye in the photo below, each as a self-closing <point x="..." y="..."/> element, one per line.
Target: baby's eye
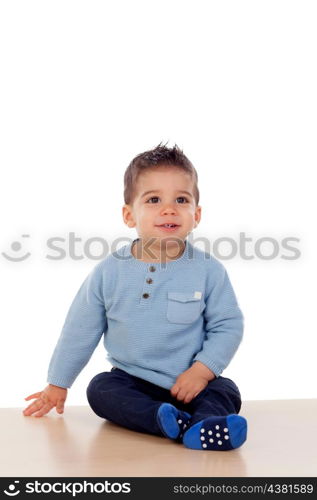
<point x="153" y="198"/>
<point x="182" y="198"/>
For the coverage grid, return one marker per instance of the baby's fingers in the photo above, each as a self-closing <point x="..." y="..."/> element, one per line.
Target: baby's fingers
<point x="32" y="396"/>
<point x="45" y="409"/>
<point x="60" y="406"/>
<point x="33" y="407"/>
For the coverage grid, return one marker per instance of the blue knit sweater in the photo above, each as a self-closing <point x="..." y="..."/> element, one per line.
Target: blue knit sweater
<point x="156" y="318"/>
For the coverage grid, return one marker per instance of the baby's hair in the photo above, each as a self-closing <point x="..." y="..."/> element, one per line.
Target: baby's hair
<point x="157" y="157"/>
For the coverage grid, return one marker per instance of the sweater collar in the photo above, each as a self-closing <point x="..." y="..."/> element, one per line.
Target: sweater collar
<point x="187" y="254"/>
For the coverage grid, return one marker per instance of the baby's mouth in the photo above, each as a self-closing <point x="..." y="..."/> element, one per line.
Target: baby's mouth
<point x="168" y="225"/>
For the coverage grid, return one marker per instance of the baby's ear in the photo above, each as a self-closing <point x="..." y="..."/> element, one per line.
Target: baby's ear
<point x="198" y="215"/>
<point x="127" y="215"/>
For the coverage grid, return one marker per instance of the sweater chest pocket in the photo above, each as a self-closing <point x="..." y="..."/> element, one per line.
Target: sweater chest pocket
<point x="184" y="307"/>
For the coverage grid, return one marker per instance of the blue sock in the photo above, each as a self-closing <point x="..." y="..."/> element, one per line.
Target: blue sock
<point x="217" y="433"/>
<point x="172" y="422"/>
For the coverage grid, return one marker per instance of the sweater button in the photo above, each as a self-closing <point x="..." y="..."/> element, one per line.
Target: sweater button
<point x="146" y="295"/>
<point x="152" y="269"/>
<point x="149" y="280"/>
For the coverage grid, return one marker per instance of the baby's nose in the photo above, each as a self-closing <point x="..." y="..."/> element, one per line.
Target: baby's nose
<point x="168" y="209"/>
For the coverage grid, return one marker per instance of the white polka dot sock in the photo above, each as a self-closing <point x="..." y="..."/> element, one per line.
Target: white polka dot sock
<point x="172" y="422"/>
<point x="217" y="433"/>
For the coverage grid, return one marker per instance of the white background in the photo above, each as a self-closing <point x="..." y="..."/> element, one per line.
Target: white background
<point x="88" y="85"/>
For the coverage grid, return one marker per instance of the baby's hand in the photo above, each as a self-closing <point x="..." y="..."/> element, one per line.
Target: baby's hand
<point x="191" y="382"/>
<point x="46" y="400"/>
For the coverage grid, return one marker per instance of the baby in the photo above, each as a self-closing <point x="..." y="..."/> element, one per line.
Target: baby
<point x="169" y="317"/>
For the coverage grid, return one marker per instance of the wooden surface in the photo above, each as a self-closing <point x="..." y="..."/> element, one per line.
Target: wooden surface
<point x="282" y="441"/>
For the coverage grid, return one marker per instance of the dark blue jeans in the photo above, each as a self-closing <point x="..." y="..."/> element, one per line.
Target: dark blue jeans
<point x="133" y="402"/>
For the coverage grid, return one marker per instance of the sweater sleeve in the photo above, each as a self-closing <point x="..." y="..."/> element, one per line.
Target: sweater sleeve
<point x="224" y="323"/>
<point x="84" y="325"/>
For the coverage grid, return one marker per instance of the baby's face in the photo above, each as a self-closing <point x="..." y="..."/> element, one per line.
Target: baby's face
<point x="163" y="196"/>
